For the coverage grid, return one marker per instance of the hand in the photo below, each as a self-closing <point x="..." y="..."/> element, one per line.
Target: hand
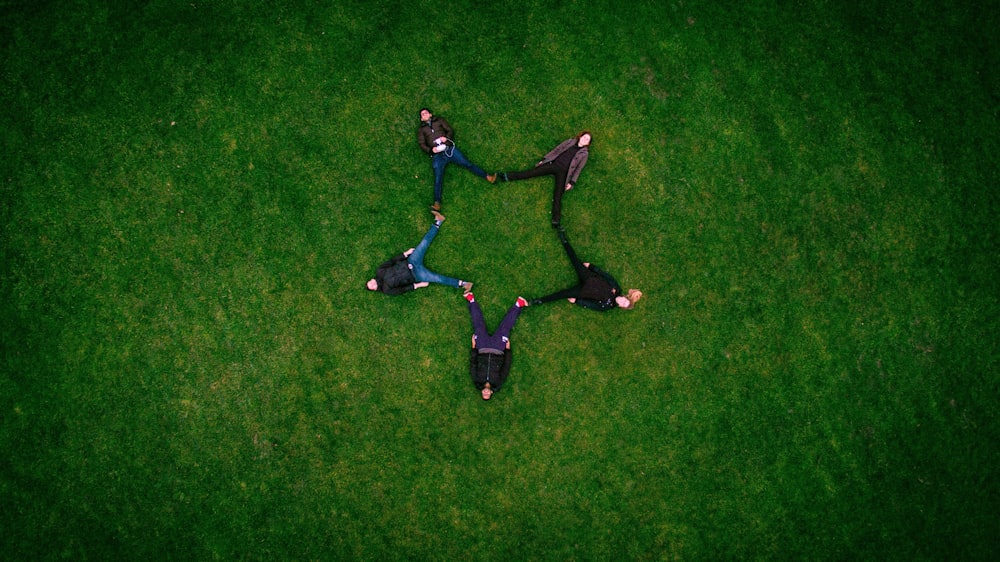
<point x="441" y="140"/>
<point x="438" y="148"/>
<point x="408" y="252"/>
<point x="569" y="186"/>
<point x="586" y="264"/>
<point x="421" y="285"/>
<point x="572" y="300"/>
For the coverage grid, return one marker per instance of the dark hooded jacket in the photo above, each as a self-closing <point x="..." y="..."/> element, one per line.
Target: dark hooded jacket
<point x="395" y="277"/>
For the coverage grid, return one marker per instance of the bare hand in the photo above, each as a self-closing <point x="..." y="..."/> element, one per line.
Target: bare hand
<point x="408" y="252"/>
<point x="569" y="186"/>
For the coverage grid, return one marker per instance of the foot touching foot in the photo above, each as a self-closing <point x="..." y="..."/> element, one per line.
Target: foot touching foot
<point x="467" y="287"/>
<point x="437" y="215"/>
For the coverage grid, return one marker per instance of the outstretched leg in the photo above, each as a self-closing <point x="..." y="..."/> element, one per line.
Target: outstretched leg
<point x="540" y="170"/>
<point x="507" y="324"/>
<point x="458" y="158"/>
<point x="578" y="267"/>
<point x="478" y="322"/>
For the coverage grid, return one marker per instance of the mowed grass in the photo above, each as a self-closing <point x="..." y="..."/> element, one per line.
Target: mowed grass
<point x="193" y="196"/>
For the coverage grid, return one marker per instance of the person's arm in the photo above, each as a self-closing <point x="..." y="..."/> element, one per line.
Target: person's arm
<point x="446" y="127"/>
<point x="599" y="306"/>
<point x="575" y="167"/>
<point x="472" y="360"/>
<point x="504" y="368"/>
<point x="393" y="291"/>
<point x="422" y="141"/>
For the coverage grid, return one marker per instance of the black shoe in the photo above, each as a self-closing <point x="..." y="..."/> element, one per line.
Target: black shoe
<point x="534" y="302"/>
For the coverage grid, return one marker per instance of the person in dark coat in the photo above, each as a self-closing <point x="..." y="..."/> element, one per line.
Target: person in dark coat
<point x="436" y="138"/>
<point x="406" y="272"/>
<point x="564" y="163"/>
<point x="596" y="290"/>
<point x="490" y="356"/>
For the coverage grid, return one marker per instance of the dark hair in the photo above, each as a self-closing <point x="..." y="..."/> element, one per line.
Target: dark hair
<point x="423" y="109"/>
<point x="586" y="133"/>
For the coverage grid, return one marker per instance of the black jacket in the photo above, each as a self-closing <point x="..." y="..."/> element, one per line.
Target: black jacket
<point x="487" y="367"/>
<point x="599" y="290"/>
<point x="395" y="277"/>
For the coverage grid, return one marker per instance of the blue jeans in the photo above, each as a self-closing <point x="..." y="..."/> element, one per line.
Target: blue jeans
<point x="450" y="155"/>
<point x="416" y="261"/>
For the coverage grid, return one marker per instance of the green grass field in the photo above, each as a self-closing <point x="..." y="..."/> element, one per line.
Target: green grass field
<point x="194" y="193"/>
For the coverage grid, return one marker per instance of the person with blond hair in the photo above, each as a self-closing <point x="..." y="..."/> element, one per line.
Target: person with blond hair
<point x="596" y="290"/>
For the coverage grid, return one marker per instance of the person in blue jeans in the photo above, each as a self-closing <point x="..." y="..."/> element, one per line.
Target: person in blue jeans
<point x="489" y="361"/>
<point x="437" y="139"/>
<point x="406" y="272"/>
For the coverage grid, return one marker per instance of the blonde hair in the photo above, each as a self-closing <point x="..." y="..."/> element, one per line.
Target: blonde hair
<point x="634" y="295"/>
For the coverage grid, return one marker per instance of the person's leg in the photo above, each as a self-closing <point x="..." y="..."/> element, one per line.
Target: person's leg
<point x="507" y="324"/>
<point x="439" y="162"/>
<point x="557" y="194"/>
<point x="570" y="293"/>
<point x="578" y="267"/>
<point x="543" y="170"/>
<point x="417" y="257"/>
<point x="478" y="322"/>
<point x="458" y="158"/>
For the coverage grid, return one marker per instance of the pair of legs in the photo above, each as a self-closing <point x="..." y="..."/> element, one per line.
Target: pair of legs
<point x="499" y="338"/>
<point x="558" y="174"/>
<point x="416" y="260"/>
<point x="450" y="155"/>
<point x="581" y="273"/>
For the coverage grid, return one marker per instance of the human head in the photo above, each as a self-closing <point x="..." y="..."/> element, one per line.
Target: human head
<point x="487" y="392"/>
<point x="372" y="284"/>
<point x="425" y="114"/>
<point x="626" y="301"/>
<point x="584" y="138"/>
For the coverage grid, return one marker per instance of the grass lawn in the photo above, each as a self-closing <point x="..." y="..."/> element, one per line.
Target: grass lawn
<point x="192" y="195"/>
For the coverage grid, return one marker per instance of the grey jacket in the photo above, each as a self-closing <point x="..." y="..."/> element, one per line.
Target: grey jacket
<point x="579" y="160"/>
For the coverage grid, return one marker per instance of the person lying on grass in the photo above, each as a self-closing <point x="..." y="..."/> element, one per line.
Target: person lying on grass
<point x="596" y="290"/>
<point x="564" y="163"/>
<point x="437" y="139"/>
<point x="406" y="271"/>
<point x="489" y="360"/>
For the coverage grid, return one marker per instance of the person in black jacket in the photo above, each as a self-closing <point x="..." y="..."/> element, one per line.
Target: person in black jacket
<point x="489" y="360"/>
<point x="406" y="271"/>
<point x="437" y="139"/>
<point x="597" y="289"/>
